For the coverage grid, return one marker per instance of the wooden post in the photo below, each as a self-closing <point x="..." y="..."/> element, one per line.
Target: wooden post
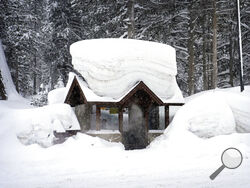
<point x="147" y="111"/>
<point x="98" y="118"/>
<point x="146" y="118"/>
<point x="166" y="116"/>
<point x="120" y="116"/>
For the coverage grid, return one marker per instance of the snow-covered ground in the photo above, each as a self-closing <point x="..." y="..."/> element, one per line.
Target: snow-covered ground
<point x="184" y="156"/>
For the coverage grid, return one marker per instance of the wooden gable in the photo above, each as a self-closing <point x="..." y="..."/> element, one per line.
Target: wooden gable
<point x="141" y="87"/>
<point x="75" y="95"/>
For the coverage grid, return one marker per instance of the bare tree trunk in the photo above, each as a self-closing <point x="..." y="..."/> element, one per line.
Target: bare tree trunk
<point x="35" y="59"/>
<point x="17" y="76"/>
<point x="204" y="65"/>
<point x="34" y="76"/>
<point x="131" y="23"/>
<point x="191" y="54"/>
<point x="231" y="60"/>
<point x="204" y="47"/>
<point x="215" y="66"/>
<point x="17" y="60"/>
<point x="240" y="46"/>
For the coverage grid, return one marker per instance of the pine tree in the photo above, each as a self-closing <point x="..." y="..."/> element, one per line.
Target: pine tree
<point x="38" y="34"/>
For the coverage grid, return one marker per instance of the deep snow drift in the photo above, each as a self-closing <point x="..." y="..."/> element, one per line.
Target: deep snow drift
<point x="112" y="66"/>
<point x="184" y="156"/>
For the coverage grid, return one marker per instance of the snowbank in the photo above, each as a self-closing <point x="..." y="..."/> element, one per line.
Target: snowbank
<point x="206" y="116"/>
<point x="238" y="102"/>
<point x="207" y="124"/>
<point x="215" y="112"/>
<point x="112" y="66"/>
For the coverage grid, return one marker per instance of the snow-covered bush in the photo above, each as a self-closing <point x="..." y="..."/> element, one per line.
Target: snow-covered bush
<point x="40" y="99"/>
<point x="37" y="135"/>
<point x="41" y="122"/>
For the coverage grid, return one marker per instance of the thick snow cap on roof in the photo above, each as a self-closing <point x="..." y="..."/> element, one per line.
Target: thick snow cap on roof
<point x="112" y="66"/>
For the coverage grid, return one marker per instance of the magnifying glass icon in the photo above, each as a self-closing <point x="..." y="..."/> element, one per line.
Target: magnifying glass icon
<point x="231" y="158"/>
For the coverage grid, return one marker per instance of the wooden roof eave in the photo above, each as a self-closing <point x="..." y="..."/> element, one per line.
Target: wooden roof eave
<point x="120" y="103"/>
<point x="104" y="103"/>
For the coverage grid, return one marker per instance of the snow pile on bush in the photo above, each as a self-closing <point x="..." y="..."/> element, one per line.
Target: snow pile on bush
<point x="39" y="124"/>
<point x="112" y="66"/>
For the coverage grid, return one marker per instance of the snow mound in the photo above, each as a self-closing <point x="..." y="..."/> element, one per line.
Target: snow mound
<point x="112" y="66"/>
<point x="41" y="122"/>
<point x="214" y="112"/>
<point x="206" y="116"/>
<point x="211" y="116"/>
<point x="220" y="115"/>
<point x="56" y="95"/>
<point x="240" y="105"/>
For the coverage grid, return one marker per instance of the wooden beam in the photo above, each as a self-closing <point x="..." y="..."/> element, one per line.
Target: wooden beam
<point x="120" y="116"/>
<point x="98" y="118"/>
<point x="166" y="116"/>
<point x="173" y="104"/>
<point x="104" y="104"/>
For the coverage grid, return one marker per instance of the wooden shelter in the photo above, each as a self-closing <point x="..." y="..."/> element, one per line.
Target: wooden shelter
<point x="138" y="100"/>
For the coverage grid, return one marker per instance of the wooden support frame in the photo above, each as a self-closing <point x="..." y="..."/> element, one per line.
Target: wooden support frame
<point x="139" y="88"/>
<point x="120" y="118"/>
<point x="98" y="118"/>
<point x="166" y="116"/>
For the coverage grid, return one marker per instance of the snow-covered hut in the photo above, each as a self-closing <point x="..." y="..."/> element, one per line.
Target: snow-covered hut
<point x="130" y="77"/>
